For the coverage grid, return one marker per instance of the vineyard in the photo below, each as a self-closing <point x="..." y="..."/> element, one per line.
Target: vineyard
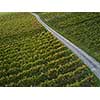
<point x="83" y="29"/>
<point x="31" y="56"/>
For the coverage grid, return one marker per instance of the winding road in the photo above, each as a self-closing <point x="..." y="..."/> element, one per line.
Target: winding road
<point x="87" y="59"/>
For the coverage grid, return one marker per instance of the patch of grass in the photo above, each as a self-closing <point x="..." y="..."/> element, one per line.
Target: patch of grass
<point x="5" y="13"/>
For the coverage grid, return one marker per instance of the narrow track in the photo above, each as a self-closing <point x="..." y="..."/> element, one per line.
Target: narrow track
<point x="87" y="59"/>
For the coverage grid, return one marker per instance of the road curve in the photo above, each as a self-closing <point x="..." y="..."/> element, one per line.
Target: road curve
<point x="87" y="59"/>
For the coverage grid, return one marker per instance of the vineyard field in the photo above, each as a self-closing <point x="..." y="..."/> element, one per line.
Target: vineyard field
<point x="30" y="56"/>
<point x="82" y="29"/>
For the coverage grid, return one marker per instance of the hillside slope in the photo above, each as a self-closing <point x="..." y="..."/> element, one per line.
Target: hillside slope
<point x="31" y="56"/>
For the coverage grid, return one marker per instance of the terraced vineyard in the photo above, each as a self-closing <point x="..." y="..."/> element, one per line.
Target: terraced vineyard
<point x="31" y="56"/>
<point x="83" y="29"/>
